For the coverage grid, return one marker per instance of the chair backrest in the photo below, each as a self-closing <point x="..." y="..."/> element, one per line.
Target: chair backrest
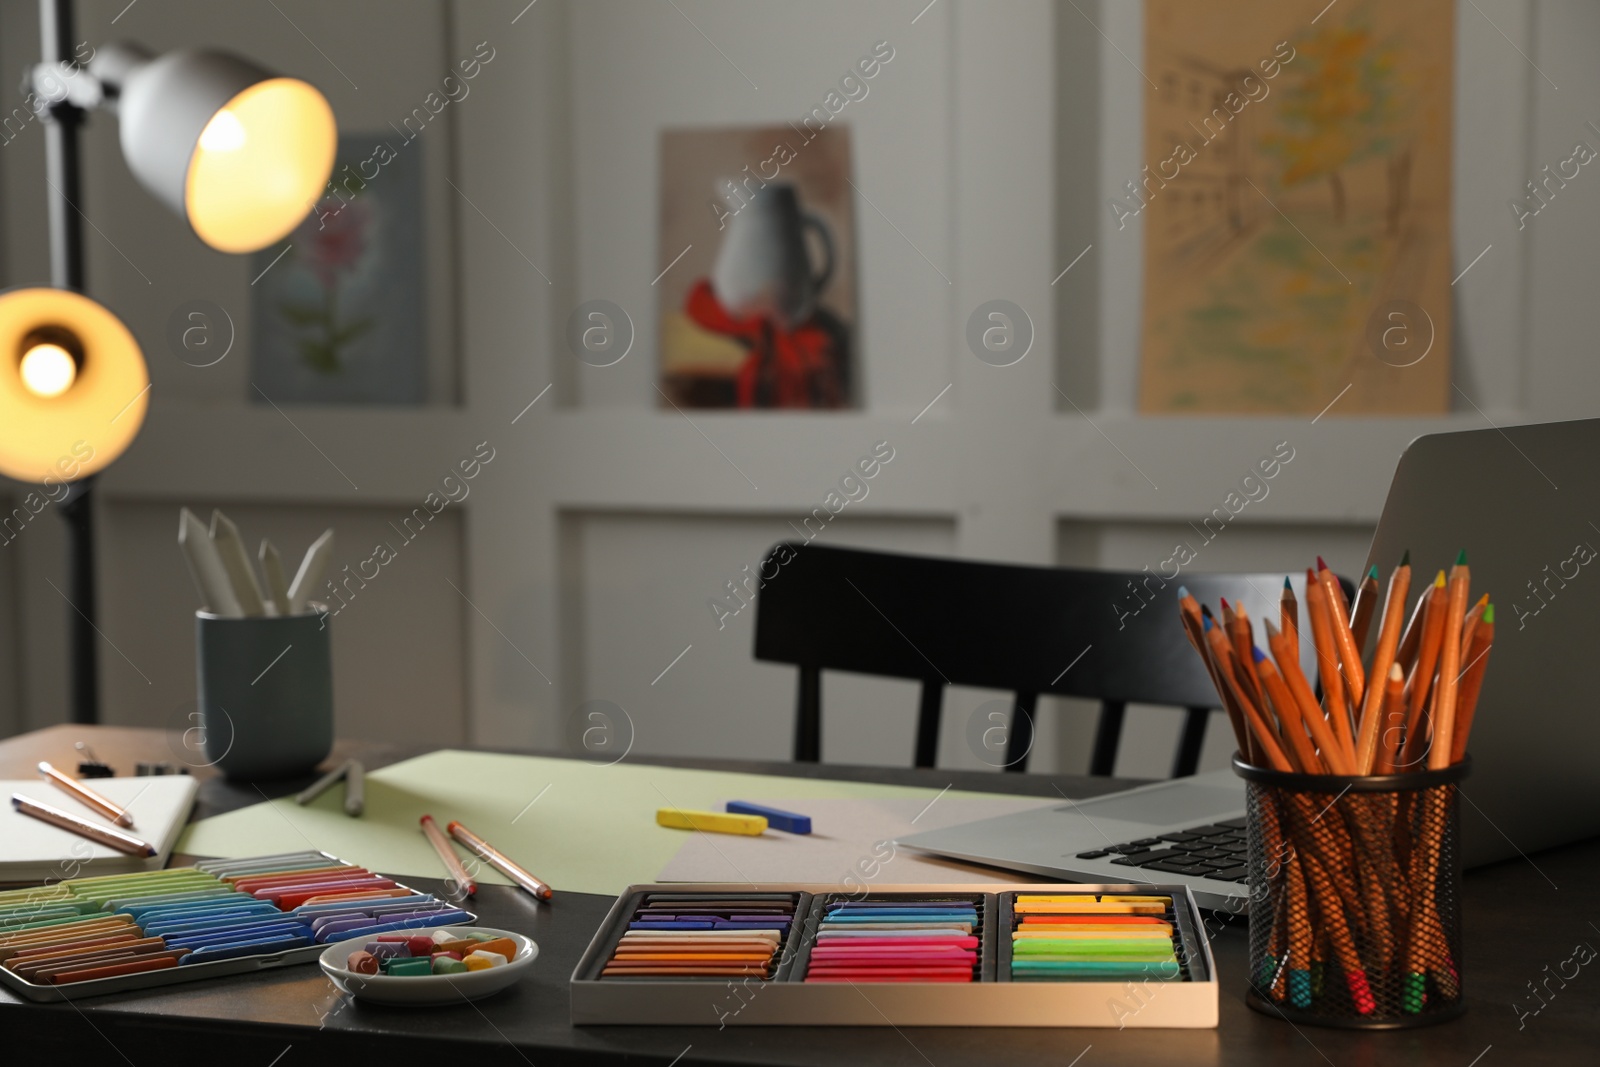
<point x="1112" y="636"/>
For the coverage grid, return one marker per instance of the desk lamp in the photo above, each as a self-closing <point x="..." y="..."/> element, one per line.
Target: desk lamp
<point x="239" y="153"/>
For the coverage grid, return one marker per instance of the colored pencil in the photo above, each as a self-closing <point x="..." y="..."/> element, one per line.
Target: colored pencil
<point x="1420" y="681"/>
<point x="1323" y="622"/>
<point x="1477" y="660"/>
<point x="1444" y="716"/>
<point x="1310" y="711"/>
<point x="1365" y="607"/>
<point x="1349" y="650"/>
<point x="85" y="796"/>
<point x="464" y="885"/>
<point x="1371" y="723"/>
<point x="1289" y="613"/>
<point x="1304" y="754"/>
<point x="1392" y="732"/>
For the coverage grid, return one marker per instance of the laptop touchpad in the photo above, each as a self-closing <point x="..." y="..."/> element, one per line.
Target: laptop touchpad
<point x="1181" y="804"/>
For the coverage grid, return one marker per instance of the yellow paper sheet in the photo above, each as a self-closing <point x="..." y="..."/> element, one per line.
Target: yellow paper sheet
<point x="581" y="827"/>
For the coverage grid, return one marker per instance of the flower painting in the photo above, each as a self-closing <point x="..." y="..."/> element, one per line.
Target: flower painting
<point x="337" y="306"/>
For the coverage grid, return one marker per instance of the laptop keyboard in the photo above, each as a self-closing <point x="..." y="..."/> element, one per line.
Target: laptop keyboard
<point x="1215" y="850"/>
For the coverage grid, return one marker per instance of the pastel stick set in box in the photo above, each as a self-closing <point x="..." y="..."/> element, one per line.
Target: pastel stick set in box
<point x="946" y="955"/>
<point x="85" y="936"/>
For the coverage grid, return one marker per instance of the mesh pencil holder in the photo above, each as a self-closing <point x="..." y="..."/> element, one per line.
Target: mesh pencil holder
<point x="1355" y="897"/>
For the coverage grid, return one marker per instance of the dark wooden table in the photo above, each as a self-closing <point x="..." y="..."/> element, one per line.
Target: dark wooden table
<point x="1524" y="919"/>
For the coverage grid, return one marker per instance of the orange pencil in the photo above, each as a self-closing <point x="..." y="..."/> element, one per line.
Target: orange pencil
<point x="1303" y="754"/>
<point x="1233" y="696"/>
<point x="1472" y="682"/>
<point x="1365" y="607"/>
<point x="1243" y="640"/>
<point x="1421" y="678"/>
<point x="1394" y="720"/>
<point x="1289" y="613"/>
<point x="1310" y="711"/>
<point x="1444" y="710"/>
<point x="1189" y="612"/>
<point x="1241" y="731"/>
<point x="1470" y="625"/>
<point x="1322" y="624"/>
<point x="1413" y="634"/>
<point x="1349" y="651"/>
<point x="1382" y="659"/>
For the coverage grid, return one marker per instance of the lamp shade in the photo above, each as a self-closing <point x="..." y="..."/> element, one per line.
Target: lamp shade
<point x="238" y="152"/>
<point x="73" y="385"/>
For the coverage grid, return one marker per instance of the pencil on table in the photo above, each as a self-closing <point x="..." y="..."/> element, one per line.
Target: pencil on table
<point x="1344" y="640"/>
<point x="1365" y="607"/>
<point x="452" y="863"/>
<point x="1472" y="682"/>
<point x="1371" y="724"/>
<point x="1444" y="714"/>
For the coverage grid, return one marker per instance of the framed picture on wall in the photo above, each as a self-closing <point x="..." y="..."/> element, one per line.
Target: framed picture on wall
<point x="1295" y="203"/>
<point x="337" y="309"/>
<point x="757" y="295"/>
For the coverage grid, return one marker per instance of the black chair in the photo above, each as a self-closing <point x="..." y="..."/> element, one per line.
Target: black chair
<point x="1112" y="636"/>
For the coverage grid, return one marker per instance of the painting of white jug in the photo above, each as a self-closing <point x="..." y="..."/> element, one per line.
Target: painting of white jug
<point x="757" y="269"/>
<point x="764" y="266"/>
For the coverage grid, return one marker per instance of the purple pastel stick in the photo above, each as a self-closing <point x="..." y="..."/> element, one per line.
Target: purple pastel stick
<point x="387" y="949"/>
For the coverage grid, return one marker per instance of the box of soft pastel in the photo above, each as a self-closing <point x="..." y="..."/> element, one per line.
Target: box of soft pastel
<point x="1351" y="790"/>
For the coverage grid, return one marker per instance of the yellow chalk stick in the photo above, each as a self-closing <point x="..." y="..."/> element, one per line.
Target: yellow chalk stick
<point x="713" y="821"/>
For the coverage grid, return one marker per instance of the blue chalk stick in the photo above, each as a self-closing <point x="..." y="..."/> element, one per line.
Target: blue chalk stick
<point x="787" y="821"/>
<point x="262" y="947"/>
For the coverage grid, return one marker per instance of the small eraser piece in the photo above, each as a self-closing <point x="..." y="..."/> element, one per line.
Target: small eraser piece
<point x="404" y="968"/>
<point x="494" y="958"/>
<point x="361" y="963"/>
<point x="446" y="963"/>
<point x="787" y="821"/>
<point x="475" y="962"/>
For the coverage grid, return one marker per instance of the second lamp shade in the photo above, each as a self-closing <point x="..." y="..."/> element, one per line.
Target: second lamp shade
<point x="241" y="154"/>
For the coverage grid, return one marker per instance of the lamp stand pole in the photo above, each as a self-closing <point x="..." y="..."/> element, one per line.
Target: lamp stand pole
<point x="61" y="122"/>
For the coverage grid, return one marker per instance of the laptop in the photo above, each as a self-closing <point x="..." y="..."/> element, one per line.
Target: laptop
<point x="1524" y="502"/>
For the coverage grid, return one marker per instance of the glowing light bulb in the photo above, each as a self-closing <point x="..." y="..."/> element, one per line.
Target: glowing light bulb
<point x="224" y="133"/>
<point x="48" y="370"/>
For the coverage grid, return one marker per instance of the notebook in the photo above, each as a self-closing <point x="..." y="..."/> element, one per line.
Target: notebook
<point x="33" y="851"/>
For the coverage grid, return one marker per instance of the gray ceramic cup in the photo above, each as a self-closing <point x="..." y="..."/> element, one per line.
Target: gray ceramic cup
<point x="266" y="693"/>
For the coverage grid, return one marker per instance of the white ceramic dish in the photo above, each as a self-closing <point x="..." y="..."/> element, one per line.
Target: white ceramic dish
<point x="431" y="989"/>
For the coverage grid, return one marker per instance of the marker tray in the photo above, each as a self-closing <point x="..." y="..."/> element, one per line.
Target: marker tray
<point x="982" y="955"/>
<point x="146" y="901"/>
